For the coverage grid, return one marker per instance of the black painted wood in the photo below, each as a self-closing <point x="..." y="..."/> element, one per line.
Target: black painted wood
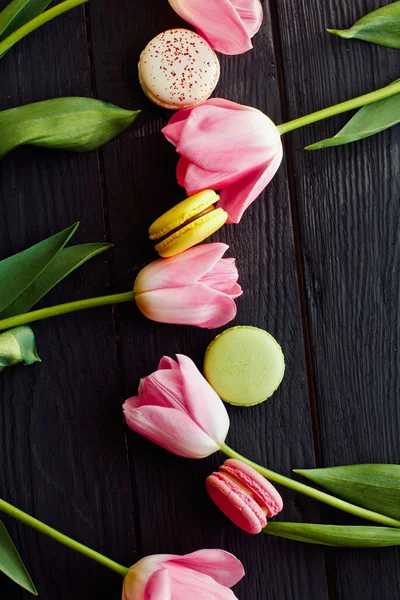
<point x="67" y="455"/>
<point x="140" y="184"/>
<point x="61" y="435"/>
<point x="348" y="206"/>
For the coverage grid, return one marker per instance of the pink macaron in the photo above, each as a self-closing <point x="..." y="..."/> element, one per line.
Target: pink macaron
<point x="243" y="495"/>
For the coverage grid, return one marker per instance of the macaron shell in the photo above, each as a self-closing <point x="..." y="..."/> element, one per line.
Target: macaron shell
<point x="178" y="69"/>
<point x="192" y="234"/>
<point x="263" y="491"/>
<point x="245" y="365"/>
<point x="182" y="212"/>
<point x="239" y="507"/>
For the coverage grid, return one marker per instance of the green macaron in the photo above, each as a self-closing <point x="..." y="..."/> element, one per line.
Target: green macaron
<point x="244" y="365"/>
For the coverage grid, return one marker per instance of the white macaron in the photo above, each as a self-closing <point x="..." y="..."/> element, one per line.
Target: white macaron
<point x="178" y="69"/>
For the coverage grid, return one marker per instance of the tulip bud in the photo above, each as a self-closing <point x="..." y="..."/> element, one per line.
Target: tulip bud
<point x="225" y="146"/>
<point x="196" y="287"/>
<point x="201" y="574"/>
<point x="17" y="346"/>
<point x="177" y="409"/>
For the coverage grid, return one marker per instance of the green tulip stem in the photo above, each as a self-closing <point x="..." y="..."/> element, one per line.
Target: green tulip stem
<point x="62" y="309"/>
<point x="37" y="22"/>
<point x="26" y="519"/>
<point x="313" y="493"/>
<point x="390" y="90"/>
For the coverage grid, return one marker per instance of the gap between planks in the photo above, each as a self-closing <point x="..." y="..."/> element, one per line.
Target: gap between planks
<point x="107" y="233"/>
<point x="305" y="322"/>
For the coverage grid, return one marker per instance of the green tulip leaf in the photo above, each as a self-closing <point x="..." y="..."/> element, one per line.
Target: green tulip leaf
<point x="11" y="563"/>
<point x="65" y="262"/>
<point x="380" y="27"/>
<point x="18" y="272"/>
<point x="370" y="120"/>
<point x="18" y="13"/>
<point x="77" y="124"/>
<point x="18" y="346"/>
<point x="375" y="487"/>
<point x="336" y="535"/>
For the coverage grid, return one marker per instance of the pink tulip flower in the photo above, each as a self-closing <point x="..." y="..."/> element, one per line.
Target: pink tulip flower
<point x="225" y="146"/>
<point x="197" y="287"/>
<point x="202" y="575"/>
<point x="227" y="25"/>
<point x="177" y="409"/>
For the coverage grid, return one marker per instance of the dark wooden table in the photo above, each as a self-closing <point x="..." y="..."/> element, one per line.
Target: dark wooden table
<point x="318" y="255"/>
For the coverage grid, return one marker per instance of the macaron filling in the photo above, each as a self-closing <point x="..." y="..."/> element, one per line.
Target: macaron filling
<point x="182" y="222"/>
<point x="265" y="501"/>
<point x="194" y="226"/>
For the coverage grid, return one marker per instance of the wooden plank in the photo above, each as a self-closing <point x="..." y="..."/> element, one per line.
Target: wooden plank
<point x="348" y="207"/>
<point x="62" y="444"/>
<point x="173" y="510"/>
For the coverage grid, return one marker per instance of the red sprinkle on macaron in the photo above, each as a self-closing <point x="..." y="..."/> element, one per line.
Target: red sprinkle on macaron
<point x="178" y="69"/>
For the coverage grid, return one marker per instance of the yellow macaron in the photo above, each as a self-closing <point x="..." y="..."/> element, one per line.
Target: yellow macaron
<point x="245" y="365"/>
<point x="188" y="223"/>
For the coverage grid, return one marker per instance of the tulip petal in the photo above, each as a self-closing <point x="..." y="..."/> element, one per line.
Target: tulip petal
<point x="162" y="388"/>
<point x="173" y="130"/>
<point x="141" y="386"/>
<point x="165" y="388"/>
<point x="223" y="277"/>
<point x="188" y="584"/>
<point x="223" y="140"/>
<point x="204" y="405"/>
<point x="234" y="199"/>
<point x="217" y="21"/>
<point x="139" y="574"/>
<point x="191" y="305"/>
<point x="251" y="13"/>
<point x="171" y="429"/>
<point x="168" y="363"/>
<point x="229" y="104"/>
<point x="158" y="586"/>
<point x="222" y="566"/>
<point x="195" y="179"/>
<point x="177" y="271"/>
<point x="181" y="171"/>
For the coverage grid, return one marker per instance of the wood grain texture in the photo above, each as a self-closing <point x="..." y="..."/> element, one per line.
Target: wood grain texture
<point x="61" y="436"/>
<point x="348" y="205"/>
<point x="174" y="513"/>
<point x="67" y="455"/>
